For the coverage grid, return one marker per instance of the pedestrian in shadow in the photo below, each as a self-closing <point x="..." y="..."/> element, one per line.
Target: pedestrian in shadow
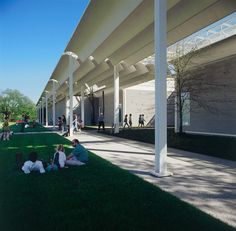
<point x="130" y="120"/>
<point x="101" y="122"/>
<point x="126" y="121"/>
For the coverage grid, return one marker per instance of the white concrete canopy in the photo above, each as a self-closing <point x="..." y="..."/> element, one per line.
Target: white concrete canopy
<point x="122" y="31"/>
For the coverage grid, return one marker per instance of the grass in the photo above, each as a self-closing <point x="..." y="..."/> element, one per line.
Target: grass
<point x="218" y="146"/>
<point x="97" y="196"/>
<point x="17" y="128"/>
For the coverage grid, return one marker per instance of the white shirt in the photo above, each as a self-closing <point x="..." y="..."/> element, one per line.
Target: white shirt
<point x="30" y="166"/>
<point x="62" y="158"/>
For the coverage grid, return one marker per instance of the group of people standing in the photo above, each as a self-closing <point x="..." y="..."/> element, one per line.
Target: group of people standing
<point x="65" y="129"/>
<point x="78" y="157"/>
<point x="128" y="121"/>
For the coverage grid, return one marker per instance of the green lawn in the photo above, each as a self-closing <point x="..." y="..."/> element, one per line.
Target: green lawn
<point x="98" y="196"/>
<point x="38" y="128"/>
<point x="218" y="146"/>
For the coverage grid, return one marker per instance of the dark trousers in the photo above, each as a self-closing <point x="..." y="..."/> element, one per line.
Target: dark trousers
<point x="22" y="127"/>
<point x="101" y="123"/>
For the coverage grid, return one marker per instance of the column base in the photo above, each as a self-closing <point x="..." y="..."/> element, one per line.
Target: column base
<point x="160" y="175"/>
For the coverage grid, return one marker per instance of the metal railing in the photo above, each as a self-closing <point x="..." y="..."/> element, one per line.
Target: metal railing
<point x="200" y="39"/>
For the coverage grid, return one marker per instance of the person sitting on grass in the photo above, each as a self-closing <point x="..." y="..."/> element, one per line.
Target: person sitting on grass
<point x="32" y="124"/>
<point x="6" y="130"/>
<point x="59" y="159"/>
<point x="33" y="164"/>
<point x="79" y="155"/>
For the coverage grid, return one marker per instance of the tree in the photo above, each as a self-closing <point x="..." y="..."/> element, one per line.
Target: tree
<point x="192" y="83"/>
<point x="13" y="104"/>
<point x="91" y="98"/>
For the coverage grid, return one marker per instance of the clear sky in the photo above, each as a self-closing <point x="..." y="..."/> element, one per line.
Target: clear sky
<point x="33" y="35"/>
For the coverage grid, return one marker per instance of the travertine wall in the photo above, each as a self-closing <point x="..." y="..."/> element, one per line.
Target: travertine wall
<point x="221" y="96"/>
<point x="140" y="102"/>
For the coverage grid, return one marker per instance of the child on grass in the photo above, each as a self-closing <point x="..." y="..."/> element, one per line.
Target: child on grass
<point x="59" y="159"/>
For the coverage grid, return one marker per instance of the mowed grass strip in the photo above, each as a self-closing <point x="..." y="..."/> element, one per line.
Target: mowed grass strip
<point x="97" y="196"/>
<point x="38" y="128"/>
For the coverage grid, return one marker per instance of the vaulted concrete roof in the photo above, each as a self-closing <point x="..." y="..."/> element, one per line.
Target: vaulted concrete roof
<point x="122" y="30"/>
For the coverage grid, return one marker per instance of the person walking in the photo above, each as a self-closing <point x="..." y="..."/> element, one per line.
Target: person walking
<point x="75" y="123"/>
<point x="101" y="122"/>
<point x="130" y="120"/>
<point x="63" y="123"/>
<point x="140" y="120"/>
<point x="59" y="122"/>
<point x="126" y="121"/>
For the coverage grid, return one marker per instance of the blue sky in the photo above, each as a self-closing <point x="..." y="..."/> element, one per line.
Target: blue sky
<point x="33" y="35"/>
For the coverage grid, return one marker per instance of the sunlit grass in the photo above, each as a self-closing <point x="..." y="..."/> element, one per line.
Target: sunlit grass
<point x="97" y="196"/>
<point x="17" y="128"/>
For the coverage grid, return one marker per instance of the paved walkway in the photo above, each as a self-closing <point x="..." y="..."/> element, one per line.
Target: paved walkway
<point x="206" y="182"/>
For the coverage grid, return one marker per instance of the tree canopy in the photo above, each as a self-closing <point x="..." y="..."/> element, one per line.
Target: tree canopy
<point x="13" y="104"/>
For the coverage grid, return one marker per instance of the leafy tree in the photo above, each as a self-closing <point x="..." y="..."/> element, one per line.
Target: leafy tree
<point x="194" y="84"/>
<point x="91" y="99"/>
<point x="13" y="104"/>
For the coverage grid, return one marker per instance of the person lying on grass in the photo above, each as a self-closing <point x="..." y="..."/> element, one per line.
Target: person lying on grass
<point x="33" y="164"/>
<point x="79" y="155"/>
<point x="59" y="159"/>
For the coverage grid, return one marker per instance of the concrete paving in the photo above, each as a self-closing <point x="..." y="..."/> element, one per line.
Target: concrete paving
<point x="206" y="182"/>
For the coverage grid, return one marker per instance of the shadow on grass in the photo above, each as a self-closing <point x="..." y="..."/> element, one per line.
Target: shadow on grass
<point x="97" y="196"/>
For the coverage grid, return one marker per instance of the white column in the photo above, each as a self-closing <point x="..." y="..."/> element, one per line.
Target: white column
<point x="67" y="112"/>
<point x="39" y="111"/>
<point x="71" y="91"/>
<point x="124" y="103"/>
<point x="82" y="106"/>
<point x="160" y="89"/>
<point x="42" y="112"/>
<point x="46" y="105"/>
<point x="54" y="104"/>
<point x="116" y="99"/>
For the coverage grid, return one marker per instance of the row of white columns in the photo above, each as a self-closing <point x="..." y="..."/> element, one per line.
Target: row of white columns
<point x="160" y="33"/>
<point x="69" y="105"/>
